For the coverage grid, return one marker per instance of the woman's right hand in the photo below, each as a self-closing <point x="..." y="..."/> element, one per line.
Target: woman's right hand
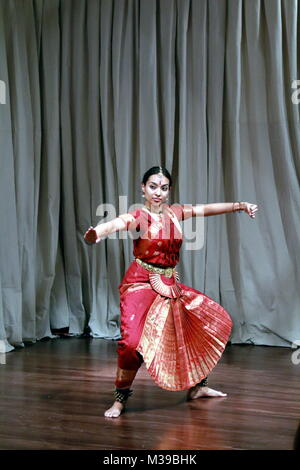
<point x="90" y="236"/>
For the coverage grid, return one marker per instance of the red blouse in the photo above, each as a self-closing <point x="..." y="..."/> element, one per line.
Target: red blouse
<point x="157" y="240"/>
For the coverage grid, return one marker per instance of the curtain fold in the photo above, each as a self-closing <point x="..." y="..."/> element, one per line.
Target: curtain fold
<point x="97" y="92"/>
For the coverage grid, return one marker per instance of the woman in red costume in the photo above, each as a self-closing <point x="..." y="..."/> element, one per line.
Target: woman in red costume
<point x="177" y="331"/>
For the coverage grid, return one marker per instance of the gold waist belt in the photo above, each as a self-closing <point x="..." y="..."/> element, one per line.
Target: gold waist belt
<point x="168" y="272"/>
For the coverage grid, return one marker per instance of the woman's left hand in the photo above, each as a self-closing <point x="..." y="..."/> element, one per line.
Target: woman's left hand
<point x="250" y="209"/>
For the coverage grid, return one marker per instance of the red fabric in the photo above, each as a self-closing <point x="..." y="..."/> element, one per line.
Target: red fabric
<point x="182" y="338"/>
<point x="134" y="307"/>
<point x="158" y="246"/>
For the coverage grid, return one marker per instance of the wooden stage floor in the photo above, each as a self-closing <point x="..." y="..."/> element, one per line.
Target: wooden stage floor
<point x="54" y="394"/>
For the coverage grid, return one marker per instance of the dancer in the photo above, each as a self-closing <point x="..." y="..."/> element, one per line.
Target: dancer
<point x="177" y="331"/>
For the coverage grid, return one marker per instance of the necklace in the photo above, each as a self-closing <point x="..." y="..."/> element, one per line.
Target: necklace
<point x="160" y="213"/>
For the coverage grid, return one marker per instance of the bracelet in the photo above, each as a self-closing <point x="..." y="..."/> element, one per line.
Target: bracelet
<point x="239" y="209"/>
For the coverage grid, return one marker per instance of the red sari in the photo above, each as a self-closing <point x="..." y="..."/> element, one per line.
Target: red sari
<point x="179" y="332"/>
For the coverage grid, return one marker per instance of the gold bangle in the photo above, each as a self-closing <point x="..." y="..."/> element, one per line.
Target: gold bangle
<point x="234" y="209"/>
<point x="239" y="208"/>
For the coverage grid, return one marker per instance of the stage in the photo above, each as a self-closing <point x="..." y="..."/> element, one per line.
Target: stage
<point x="54" y="394"/>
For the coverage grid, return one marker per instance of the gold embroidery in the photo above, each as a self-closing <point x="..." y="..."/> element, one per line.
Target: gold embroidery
<point x="153" y="328"/>
<point x="161" y="288"/>
<point x="178" y="344"/>
<point x="195" y="303"/>
<point x="137" y="286"/>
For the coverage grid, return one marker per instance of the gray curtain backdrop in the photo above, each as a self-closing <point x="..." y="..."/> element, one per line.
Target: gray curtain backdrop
<point x="97" y="92"/>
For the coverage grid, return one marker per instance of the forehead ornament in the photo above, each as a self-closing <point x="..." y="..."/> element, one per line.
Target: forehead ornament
<point x="160" y="174"/>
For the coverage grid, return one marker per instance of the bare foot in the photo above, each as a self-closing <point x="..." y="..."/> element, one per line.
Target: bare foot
<point x="115" y="410"/>
<point x="202" y="392"/>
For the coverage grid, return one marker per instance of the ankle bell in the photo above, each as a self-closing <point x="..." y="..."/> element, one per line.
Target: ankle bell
<point x="122" y="395"/>
<point x="203" y="383"/>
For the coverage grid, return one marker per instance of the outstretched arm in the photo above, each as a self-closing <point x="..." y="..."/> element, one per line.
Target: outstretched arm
<point x="205" y="210"/>
<point x="95" y="234"/>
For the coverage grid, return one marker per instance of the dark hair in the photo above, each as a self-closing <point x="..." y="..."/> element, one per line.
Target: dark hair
<point x="154" y="171"/>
